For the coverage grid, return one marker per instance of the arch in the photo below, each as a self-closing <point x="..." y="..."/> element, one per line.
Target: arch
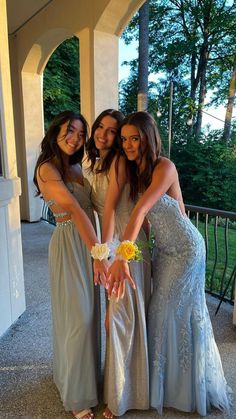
<point x="98" y="27"/>
<point x="116" y="16"/>
<point x="43" y="48"/>
<point x="27" y="144"/>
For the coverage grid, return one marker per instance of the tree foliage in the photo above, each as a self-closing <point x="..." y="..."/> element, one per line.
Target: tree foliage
<point x="192" y="43"/>
<point x="207" y="171"/>
<point x="61" y="81"/>
<point x="191" y="40"/>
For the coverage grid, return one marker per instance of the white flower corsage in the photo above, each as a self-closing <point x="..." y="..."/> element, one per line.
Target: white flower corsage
<point x="100" y="251"/>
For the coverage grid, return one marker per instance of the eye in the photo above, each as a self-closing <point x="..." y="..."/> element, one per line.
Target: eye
<point x="136" y="138"/>
<point x="123" y="139"/>
<point x="81" y="135"/>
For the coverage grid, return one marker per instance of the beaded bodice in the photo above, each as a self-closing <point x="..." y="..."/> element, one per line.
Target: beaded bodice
<point x="82" y="194"/>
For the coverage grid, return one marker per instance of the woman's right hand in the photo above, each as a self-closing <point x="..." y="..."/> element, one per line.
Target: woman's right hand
<point x="100" y="271"/>
<point x="118" y="273"/>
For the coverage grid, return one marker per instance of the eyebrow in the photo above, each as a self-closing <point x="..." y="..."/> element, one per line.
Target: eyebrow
<point x="108" y="127"/>
<point x="72" y="126"/>
<point x="132" y="135"/>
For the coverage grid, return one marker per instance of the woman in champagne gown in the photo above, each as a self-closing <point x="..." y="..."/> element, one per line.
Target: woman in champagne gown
<point x="185" y="366"/>
<point x="58" y="178"/>
<point x="126" y="350"/>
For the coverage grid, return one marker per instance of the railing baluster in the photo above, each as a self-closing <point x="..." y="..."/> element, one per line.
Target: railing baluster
<point x="216" y="252"/>
<point x="197" y="218"/>
<point x="206" y="236"/>
<point x="226" y="253"/>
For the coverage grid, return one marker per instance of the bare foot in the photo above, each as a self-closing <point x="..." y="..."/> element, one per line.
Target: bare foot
<point x="83" y="414"/>
<point x="108" y="414"/>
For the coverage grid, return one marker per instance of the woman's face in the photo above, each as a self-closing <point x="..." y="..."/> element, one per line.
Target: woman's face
<point x="131" y="142"/>
<point x="71" y="137"/>
<point x="105" y="134"/>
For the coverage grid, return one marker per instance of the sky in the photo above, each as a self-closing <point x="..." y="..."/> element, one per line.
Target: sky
<point x="129" y="52"/>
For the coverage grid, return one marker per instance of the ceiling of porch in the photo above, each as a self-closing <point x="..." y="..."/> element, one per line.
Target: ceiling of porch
<point x="19" y="13"/>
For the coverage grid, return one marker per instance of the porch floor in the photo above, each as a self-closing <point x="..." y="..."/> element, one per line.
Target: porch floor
<point x="26" y="386"/>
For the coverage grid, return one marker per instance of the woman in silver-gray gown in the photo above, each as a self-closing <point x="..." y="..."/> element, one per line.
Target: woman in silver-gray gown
<point x="58" y="178"/>
<point x="185" y="366"/>
<point x="126" y="350"/>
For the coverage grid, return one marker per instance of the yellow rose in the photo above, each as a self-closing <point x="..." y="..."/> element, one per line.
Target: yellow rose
<point x="127" y="250"/>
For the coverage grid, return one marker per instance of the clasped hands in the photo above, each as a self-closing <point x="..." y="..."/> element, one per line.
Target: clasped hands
<point x="113" y="276"/>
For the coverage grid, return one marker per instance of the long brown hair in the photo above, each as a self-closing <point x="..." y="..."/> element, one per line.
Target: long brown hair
<point x="92" y="151"/>
<point x="50" y="148"/>
<point x="151" y="149"/>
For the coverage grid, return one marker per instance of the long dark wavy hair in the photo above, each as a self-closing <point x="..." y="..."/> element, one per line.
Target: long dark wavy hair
<point x="50" y="149"/>
<point x="93" y="152"/>
<point x="151" y="149"/>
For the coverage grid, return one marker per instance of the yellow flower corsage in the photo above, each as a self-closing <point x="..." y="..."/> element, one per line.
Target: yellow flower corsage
<point x="128" y="250"/>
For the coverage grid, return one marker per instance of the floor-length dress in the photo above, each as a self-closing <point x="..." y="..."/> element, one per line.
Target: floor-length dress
<point x="185" y="366"/>
<point x="126" y="381"/>
<point x="73" y="310"/>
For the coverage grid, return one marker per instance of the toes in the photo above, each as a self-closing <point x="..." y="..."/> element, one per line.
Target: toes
<point x="108" y="414"/>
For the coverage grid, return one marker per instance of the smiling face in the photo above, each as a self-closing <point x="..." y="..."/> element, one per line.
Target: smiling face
<point x="133" y="144"/>
<point x="104" y="135"/>
<point x="71" y="137"/>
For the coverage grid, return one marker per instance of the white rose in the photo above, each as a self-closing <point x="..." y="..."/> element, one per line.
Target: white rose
<point x="100" y="251"/>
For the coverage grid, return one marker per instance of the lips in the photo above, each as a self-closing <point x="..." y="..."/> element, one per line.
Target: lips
<point x="100" y="142"/>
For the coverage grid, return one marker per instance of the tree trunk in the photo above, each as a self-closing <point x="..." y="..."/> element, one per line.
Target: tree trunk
<point x="143" y="57"/>
<point x="230" y="104"/>
<point x="204" y="56"/>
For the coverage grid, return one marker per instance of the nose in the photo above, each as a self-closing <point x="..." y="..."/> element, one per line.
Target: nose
<point x="103" y="133"/>
<point x="128" y="143"/>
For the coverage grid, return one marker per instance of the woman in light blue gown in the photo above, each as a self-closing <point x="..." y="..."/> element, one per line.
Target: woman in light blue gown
<point x="126" y="350"/>
<point x="185" y="366"/>
<point x="58" y="178"/>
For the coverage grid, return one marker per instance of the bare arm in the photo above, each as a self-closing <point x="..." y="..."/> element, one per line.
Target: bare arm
<point x="164" y="176"/>
<point x="52" y="187"/>
<point x="115" y="188"/>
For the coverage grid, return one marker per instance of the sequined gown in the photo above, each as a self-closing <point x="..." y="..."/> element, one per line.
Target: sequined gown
<point x="126" y="381"/>
<point x="73" y="310"/>
<point x="185" y="366"/>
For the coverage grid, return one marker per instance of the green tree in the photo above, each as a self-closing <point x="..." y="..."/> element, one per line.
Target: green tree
<point x="187" y="37"/>
<point x="61" y="80"/>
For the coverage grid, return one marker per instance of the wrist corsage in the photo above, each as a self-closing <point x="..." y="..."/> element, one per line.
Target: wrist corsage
<point x="100" y="251"/>
<point x="128" y="250"/>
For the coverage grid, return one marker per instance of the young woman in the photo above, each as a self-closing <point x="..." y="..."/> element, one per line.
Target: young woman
<point x="58" y="178"/>
<point x="185" y="365"/>
<point x="126" y="352"/>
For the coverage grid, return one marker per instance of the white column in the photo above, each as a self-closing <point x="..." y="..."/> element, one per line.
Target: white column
<point x="12" y="296"/>
<point x="32" y="96"/>
<point x="98" y="72"/>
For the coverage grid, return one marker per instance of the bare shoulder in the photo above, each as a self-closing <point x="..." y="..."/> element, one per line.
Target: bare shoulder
<point x="119" y="160"/>
<point x="48" y="171"/>
<point x="118" y="164"/>
<point x="165" y="165"/>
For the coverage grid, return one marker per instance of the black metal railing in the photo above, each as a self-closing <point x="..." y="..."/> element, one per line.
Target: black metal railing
<point x="219" y="231"/>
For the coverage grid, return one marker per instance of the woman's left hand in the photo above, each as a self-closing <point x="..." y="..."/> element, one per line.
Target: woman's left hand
<point x="118" y="273"/>
<point x="100" y="270"/>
